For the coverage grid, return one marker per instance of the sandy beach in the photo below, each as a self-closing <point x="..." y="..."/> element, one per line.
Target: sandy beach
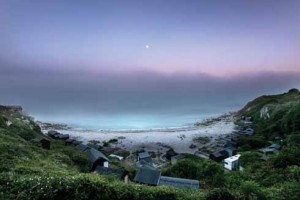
<point x="157" y="140"/>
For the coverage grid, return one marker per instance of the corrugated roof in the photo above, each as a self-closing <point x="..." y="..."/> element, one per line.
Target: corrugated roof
<point x="179" y="182"/>
<point x="147" y="176"/>
<point x="144" y="155"/>
<point x="82" y="147"/>
<point x="95" y="155"/>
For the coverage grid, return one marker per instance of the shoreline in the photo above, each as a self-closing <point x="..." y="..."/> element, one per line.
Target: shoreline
<point x="182" y="140"/>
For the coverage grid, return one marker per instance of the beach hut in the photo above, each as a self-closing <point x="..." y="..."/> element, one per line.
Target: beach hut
<point x="69" y="141"/>
<point x="248" y="131"/>
<point x="76" y="142"/>
<point x="44" y="142"/>
<point x="118" y="173"/>
<point x="232" y="163"/>
<point x="95" y="146"/>
<point x="268" y="150"/>
<point x="108" y="150"/>
<point x="82" y="147"/>
<point x="218" y="155"/>
<point x="180" y="183"/>
<point x="97" y="158"/>
<point x="275" y="146"/>
<point x="170" y="153"/>
<point x="143" y="155"/>
<point x="231" y="151"/>
<point x="147" y="176"/>
<point x="52" y="133"/>
<point x="63" y="136"/>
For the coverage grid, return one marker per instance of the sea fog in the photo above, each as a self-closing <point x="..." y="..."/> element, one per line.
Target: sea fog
<point x="144" y="100"/>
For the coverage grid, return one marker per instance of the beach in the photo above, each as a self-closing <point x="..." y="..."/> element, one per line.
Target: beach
<point x="182" y="140"/>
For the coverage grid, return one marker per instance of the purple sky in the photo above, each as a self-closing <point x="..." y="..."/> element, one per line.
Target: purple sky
<point x="220" y="38"/>
<point x="63" y="53"/>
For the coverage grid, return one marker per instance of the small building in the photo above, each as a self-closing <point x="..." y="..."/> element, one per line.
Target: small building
<point x="82" y="147"/>
<point x="53" y="133"/>
<point x="145" y="161"/>
<point x="180" y="183"/>
<point x="108" y="150"/>
<point x="147" y="176"/>
<point x="97" y="158"/>
<point x="248" y="131"/>
<point x="268" y="150"/>
<point x="69" y="141"/>
<point x="232" y="163"/>
<point x="63" y="136"/>
<point x="275" y="146"/>
<point x="44" y="142"/>
<point x="95" y="146"/>
<point x="170" y="153"/>
<point x="118" y="173"/>
<point x="143" y="155"/>
<point x="218" y="155"/>
<point x="175" y="159"/>
<point x="231" y="151"/>
<point x="76" y="142"/>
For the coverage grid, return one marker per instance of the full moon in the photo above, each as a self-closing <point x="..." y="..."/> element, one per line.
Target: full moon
<point x="147" y="46"/>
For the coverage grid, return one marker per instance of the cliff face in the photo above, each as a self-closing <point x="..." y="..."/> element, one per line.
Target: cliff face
<point x="275" y="114"/>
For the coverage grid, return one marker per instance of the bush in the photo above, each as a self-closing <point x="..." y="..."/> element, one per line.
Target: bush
<point x="219" y="194"/>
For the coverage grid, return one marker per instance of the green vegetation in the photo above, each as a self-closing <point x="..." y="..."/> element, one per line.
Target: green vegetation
<point x="275" y="114"/>
<point x="207" y="122"/>
<point x="29" y="172"/>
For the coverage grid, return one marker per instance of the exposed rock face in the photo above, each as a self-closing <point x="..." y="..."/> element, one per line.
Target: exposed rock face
<point x="264" y="112"/>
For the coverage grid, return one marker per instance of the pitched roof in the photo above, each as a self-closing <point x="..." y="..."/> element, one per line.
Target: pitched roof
<point x="52" y="132"/>
<point x="144" y="155"/>
<point x="179" y="182"/>
<point x="82" y="147"/>
<point x="147" y="176"/>
<point x="95" y="155"/>
<point x="95" y="146"/>
<point x="109" y="171"/>
<point x="275" y="146"/>
<point x="63" y="136"/>
<point x="69" y="140"/>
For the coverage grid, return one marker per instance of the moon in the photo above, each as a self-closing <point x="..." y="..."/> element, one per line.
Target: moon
<point x="147" y="46"/>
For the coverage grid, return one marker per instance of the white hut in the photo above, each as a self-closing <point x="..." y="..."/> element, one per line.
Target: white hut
<point x="232" y="162"/>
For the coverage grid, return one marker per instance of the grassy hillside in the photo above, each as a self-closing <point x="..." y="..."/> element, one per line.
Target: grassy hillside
<point x="275" y="115"/>
<point x="29" y="172"/>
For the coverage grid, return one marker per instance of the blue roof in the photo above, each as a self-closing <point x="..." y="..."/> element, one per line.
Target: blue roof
<point x="275" y="146"/>
<point x="147" y="176"/>
<point x="144" y="155"/>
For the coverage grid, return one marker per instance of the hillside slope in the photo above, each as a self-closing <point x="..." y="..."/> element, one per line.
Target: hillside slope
<point x="275" y="115"/>
<point x="28" y="171"/>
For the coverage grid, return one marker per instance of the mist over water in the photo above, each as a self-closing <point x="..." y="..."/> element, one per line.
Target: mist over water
<point x="134" y="101"/>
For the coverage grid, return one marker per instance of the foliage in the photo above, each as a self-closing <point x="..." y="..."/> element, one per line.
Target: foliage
<point x="209" y="173"/>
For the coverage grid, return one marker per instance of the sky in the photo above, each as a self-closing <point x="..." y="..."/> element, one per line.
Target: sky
<point x="136" y="55"/>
